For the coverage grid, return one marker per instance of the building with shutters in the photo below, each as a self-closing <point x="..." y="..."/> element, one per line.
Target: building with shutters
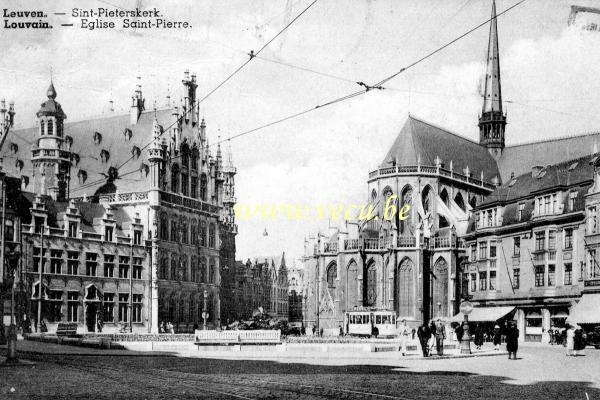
<point x="125" y="218"/>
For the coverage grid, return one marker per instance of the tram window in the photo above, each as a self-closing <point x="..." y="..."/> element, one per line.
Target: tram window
<point x="393" y="319"/>
<point x="378" y="319"/>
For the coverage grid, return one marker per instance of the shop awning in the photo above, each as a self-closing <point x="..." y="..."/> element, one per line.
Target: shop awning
<point x="484" y="314"/>
<point x="587" y="311"/>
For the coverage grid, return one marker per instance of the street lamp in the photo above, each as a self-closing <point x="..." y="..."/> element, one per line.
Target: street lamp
<point x="466" y="307"/>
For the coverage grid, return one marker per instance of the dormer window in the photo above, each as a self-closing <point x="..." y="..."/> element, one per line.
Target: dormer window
<point x="108" y="233"/>
<point x="547" y="205"/>
<point x="137" y="237"/>
<point x="572" y="197"/>
<point x="73" y="229"/>
<point x="521" y="211"/>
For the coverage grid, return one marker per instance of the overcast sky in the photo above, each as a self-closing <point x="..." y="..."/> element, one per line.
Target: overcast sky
<point x="549" y="75"/>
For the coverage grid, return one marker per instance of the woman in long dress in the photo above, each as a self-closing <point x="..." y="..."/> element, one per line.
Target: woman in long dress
<point x="570" y="340"/>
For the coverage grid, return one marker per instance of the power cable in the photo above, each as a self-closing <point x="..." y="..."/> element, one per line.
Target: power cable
<point x="251" y="55"/>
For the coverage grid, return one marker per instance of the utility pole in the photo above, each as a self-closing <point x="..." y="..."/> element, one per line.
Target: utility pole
<point x="41" y="268"/>
<point x="130" y="305"/>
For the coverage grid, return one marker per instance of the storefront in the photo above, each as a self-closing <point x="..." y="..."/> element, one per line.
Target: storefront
<point x="533" y="325"/>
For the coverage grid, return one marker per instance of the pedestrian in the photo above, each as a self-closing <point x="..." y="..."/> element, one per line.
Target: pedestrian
<point x="578" y="341"/>
<point x="563" y="336"/>
<point x="459" y="331"/>
<point x="161" y="327"/>
<point x="512" y="341"/>
<point x="170" y="328"/>
<point x="432" y="329"/>
<point x="478" y="336"/>
<point x="341" y="330"/>
<point x="551" y="335"/>
<point x="423" y="333"/>
<point x="440" y="335"/>
<point x="497" y="337"/>
<point x="403" y="332"/>
<point x="557" y="337"/>
<point x="570" y="340"/>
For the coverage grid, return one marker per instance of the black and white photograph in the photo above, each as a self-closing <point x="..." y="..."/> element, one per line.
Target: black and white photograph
<point x="300" y="199"/>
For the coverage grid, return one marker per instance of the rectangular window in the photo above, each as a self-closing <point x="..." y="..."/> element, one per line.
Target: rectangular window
<point x="9" y="230"/>
<point x="72" y="263"/>
<point x="56" y="261"/>
<point x="521" y="211"/>
<point x="482" y="250"/>
<point x="473" y="252"/>
<point x="516" y="278"/>
<point x="211" y="236"/>
<point x="551" y="240"/>
<point x="123" y="267"/>
<point x="591" y="262"/>
<point x="194" y="187"/>
<point x="137" y="268"/>
<point x="492" y="280"/>
<point x="123" y="305"/>
<point x="540" y="241"/>
<point x="473" y="282"/>
<point x="109" y="307"/>
<point x="73" y="229"/>
<point x="137" y="308"/>
<point x="492" y="249"/>
<point x="174" y="231"/>
<point x="568" y="275"/>
<point x="108" y="233"/>
<point x="539" y="275"/>
<point x="91" y="264"/>
<point x="483" y="281"/>
<point x="551" y="275"/>
<point x="592" y="220"/>
<point x="109" y="266"/>
<point x="568" y="238"/>
<point x="572" y="197"/>
<point x="137" y="237"/>
<point x="54" y="305"/>
<point x="184" y="184"/>
<point x="547" y="209"/>
<point x="517" y="246"/>
<point x="72" y="306"/>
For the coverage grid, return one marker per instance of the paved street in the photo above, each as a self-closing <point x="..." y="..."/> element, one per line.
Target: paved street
<point x="541" y="372"/>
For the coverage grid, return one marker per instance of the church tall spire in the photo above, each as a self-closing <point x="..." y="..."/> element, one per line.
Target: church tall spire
<point x="492" y="120"/>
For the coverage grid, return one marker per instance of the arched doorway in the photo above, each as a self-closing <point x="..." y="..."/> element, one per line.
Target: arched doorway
<point x="404" y="288"/>
<point x="93" y="309"/>
<point x="439" y="297"/>
<point x="352" y="286"/>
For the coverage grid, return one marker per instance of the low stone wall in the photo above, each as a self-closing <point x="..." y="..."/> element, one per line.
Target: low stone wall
<point x="143" y="337"/>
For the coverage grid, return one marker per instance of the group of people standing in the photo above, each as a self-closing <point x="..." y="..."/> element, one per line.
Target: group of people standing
<point x="166" y="328"/>
<point x="432" y="335"/>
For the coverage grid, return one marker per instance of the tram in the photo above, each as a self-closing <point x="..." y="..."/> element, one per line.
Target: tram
<point x="371" y="323"/>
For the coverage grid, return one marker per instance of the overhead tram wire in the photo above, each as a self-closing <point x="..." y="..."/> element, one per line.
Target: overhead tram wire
<point x="378" y="85"/>
<point x="251" y="55"/>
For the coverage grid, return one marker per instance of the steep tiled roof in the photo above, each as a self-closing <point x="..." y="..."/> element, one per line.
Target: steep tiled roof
<point x="100" y="143"/>
<point x="421" y="139"/>
<point x="565" y="174"/>
<point x="520" y="159"/>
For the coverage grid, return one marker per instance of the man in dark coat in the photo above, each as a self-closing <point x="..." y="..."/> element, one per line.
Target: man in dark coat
<point x="512" y="341"/>
<point x="424" y="334"/>
<point x="478" y="336"/>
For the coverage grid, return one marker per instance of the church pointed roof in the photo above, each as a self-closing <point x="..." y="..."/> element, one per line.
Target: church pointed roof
<point x="422" y="142"/>
<point x="492" y="96"/>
